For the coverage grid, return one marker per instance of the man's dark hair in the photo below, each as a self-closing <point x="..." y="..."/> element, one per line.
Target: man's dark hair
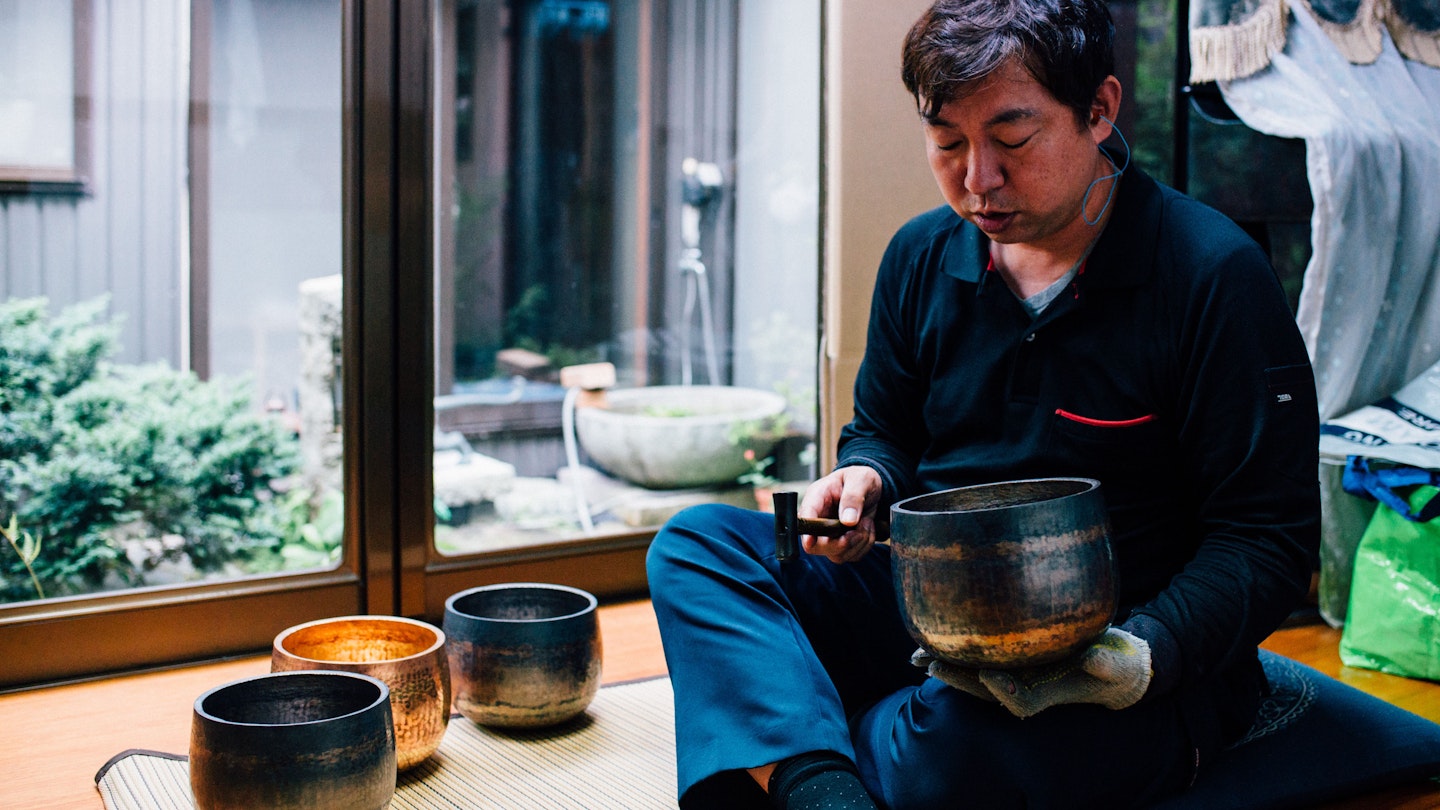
<point x="1067" y="45"/>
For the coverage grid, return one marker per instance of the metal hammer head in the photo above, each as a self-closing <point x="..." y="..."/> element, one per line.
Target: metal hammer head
<point x="787" y="526"/>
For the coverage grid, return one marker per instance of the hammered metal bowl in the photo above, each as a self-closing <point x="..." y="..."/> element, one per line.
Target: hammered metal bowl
<point x="294" y="741"/>
<point x="1004" y="575"/>
<point x="523" y="654"/>
<point x="408" y="655"/>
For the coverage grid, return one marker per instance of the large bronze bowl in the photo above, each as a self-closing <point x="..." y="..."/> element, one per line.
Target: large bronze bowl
<point x="523" y="654"/>
<point x="294" y="741"/>
<point x="1003" y="575"/>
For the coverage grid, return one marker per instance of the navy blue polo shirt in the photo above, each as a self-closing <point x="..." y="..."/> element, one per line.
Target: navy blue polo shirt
<point x="1170" y="369"/>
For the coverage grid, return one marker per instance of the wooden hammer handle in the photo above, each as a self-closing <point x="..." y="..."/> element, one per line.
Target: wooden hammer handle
<point x="821" y="527"/>
<point x="790" y="527"/>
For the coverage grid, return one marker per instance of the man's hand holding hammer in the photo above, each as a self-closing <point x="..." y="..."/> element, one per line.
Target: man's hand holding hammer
<point x="851" y="493"/>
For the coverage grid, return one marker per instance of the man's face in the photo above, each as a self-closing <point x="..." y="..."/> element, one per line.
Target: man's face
<point x="1013" y="160"/>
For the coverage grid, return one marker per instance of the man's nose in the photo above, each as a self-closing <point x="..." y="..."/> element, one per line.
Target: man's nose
<point x="983" y="173"/>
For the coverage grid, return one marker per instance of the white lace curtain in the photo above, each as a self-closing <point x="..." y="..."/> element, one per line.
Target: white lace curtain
<point x="1357" y="80"/>
<point x="1370" y="118"/>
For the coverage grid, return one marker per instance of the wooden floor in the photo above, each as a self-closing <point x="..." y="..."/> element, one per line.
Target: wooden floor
<point x="56" y="738"/>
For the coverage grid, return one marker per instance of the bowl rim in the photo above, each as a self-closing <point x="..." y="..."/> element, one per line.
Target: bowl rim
<point x="1092" y="485"/>
<point x="276" y="646"/>
<point x="450" y="601"/>
<point x="383" y="697"/>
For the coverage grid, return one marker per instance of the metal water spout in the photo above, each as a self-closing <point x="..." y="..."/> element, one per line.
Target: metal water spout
<point x="700" y="185"/>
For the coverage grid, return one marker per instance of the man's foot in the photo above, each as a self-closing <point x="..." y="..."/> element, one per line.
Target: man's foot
<point x="820" y="780"/>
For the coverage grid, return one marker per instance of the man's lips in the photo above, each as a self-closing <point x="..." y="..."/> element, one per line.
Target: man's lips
<point x="991" y="221"/>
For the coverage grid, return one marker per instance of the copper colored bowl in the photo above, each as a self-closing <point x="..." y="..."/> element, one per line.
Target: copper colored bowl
<point x="408" y="655"/>
<point x="1011" y="574"/>
<point x="294" y="741"/>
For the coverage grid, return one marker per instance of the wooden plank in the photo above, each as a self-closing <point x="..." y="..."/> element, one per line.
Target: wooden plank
<point x="1318" y="645"/>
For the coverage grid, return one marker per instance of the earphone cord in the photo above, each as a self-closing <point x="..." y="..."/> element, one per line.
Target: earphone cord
<point x="1119" y="170"/>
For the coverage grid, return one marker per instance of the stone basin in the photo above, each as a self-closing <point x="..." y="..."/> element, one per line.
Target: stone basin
<point x="679" y="436"/>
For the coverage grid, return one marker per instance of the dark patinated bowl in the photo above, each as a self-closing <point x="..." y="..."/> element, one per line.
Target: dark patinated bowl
<point x="522" y="654"/>
<point x="1010" y="574"/>
<point x="292" y="740"/>
<point x="407" y="654"/>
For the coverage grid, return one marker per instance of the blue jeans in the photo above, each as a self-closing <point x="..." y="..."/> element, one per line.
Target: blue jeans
<point x="769" y="662"/>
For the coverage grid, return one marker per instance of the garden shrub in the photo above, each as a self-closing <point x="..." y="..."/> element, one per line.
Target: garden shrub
<point x="114" y="468"/>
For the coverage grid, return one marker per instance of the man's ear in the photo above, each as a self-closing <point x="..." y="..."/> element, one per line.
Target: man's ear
<point x="1104" y="108"/>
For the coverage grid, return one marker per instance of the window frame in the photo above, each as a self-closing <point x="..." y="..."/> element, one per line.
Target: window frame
<point x="74" y="177"/>
<point x="82" y="637"/>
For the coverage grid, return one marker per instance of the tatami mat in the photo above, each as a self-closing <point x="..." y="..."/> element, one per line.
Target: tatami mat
<point x="620" y="755"/>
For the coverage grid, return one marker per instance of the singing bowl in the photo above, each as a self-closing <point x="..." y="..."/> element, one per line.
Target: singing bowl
<point x="293" y="740"/>
<point x="408" y="655"/>
<point x="1004" y="575"/>
<point x="523" y="654"/>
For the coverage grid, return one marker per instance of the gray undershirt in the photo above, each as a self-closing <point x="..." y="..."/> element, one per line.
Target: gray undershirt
<point x="1037" y="303"/>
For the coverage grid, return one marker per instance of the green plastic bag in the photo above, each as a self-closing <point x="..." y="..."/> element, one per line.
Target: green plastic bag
<point x="1393" y="622"/>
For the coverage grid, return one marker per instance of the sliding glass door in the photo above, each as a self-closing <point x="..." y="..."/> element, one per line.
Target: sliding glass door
<point x="627" y="273"/>
<point x="327" y="306"/>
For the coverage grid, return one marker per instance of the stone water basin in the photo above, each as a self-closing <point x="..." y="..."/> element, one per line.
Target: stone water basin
<point x="679" y="436"/>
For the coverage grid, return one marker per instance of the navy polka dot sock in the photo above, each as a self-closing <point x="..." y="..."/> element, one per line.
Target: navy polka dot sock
<point x="820" y="780"/>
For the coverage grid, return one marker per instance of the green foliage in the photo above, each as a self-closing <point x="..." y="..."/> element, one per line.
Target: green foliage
<point x="667" y="411"/>
<point x="27" y="546"/>
<point x="758" y="475"/>
<point x="42" y="359"/>
<point x="312" y="526"/>
<point x="1152" y="98"/>
<point x="526" y="320"/>
<point x="528" y="323"/>
<point x="751" y="434"/>
<point x="121" y="467"/>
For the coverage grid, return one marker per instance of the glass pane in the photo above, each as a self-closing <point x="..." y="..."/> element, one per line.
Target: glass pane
<point x="167" y="340"/>
<point x="1145" y="39"/>
<point x="628" y="269"/>
<point x="37" y="88"/>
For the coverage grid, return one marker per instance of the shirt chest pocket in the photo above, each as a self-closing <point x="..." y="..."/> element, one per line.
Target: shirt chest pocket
<point x="1132" y="445"/>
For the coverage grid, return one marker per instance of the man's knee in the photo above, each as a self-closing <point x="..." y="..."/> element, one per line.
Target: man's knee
<point x="689" y="533"/>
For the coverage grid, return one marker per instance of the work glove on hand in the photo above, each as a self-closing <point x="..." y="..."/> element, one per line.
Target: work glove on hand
<point x="1114" y="671"/>
<point x="966" y="680"/>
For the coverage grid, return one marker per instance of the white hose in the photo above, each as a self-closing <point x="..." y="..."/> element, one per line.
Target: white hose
<point x="697" y="286"/>
<point x="707" y="334"/>
<point x="689" y="311"/>
<point x="572" y="454"/>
